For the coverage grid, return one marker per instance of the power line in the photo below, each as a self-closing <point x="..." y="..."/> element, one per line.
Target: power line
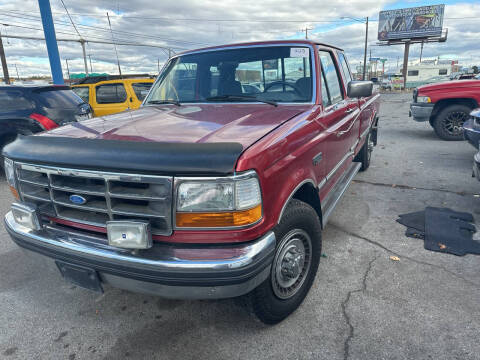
<point x="71" y="20"/>
<point x="58" y="32"/>
<point x="129" y="33"/>
<point x="114" y="46"/>
<point x="231" y="20"/>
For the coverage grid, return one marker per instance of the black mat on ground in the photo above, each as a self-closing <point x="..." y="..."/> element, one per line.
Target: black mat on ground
<point x="443" y="230"/>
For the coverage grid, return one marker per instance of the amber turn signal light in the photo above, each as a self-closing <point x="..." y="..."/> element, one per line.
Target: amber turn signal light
<point x="219" y="219"/>
<point x="14" y="192"/>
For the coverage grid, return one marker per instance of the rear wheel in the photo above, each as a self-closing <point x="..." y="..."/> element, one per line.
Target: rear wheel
<point x="365" y="155"/>
<point x="448" y="124"/>
<point x="294" y="267"/>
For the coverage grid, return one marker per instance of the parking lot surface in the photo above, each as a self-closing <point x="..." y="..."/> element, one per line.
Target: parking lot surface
<point x="362" y="305"/>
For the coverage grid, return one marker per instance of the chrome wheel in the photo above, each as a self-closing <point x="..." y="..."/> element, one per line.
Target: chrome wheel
<point x="291" y="264"/>
<point x="453" y="123"/>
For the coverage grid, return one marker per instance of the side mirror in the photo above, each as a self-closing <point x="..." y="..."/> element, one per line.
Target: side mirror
<point x="357" y="89"/>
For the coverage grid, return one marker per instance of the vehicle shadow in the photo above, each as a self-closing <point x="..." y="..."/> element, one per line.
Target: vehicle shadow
<point x="424" y="134"/>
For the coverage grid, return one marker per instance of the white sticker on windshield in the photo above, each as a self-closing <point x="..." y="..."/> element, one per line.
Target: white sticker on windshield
<point x="299" y="52"/>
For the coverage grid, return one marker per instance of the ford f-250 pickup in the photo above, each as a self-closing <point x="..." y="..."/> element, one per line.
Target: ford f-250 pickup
<point x="218" y="186"/>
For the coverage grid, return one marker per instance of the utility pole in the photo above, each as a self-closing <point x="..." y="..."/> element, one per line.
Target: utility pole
<point x="158" y="64"/>
<point x="68" y="70"/>
<point x="90" y="58"/>
<point x="6" y="78"/>
<point x="18" y="76"/>
<point x="82" y="42"/>
<point x="51" y="41"/>
<point x="366" y="45"/>
<point x="306" y="31"/>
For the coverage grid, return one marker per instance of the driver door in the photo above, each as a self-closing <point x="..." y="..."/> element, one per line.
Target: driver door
<point x="340" y="118"/>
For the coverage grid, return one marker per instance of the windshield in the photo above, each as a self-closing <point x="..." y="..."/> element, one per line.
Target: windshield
<point x="280" y="74"/>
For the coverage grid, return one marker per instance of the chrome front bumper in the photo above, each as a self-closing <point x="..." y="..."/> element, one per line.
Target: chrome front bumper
<point x="421" y="111"/>
<point x="167" y="270"/>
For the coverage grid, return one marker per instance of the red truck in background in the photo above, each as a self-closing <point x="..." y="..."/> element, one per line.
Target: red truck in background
<point x="218" y="186"/>
<point x="446" y="106"/>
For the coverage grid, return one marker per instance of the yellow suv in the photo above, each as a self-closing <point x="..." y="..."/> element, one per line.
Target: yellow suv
<point x="112" y="94"/>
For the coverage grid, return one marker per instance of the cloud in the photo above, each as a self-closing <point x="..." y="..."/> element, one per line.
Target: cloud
<point x="165" y="24"/>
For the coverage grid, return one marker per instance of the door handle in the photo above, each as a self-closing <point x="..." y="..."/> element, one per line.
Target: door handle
<point x="348" y="111"/>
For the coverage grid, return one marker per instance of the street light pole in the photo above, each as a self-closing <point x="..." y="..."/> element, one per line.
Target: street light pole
<point x="366" y="41"/>
<point x="365" y="51"/>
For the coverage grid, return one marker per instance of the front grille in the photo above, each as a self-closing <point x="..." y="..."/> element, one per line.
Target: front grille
<point x="109" y="196"/>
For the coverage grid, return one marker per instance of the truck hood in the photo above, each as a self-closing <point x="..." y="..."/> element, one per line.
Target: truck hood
<point x="450" y="85"/>
<point x="206" y="123"/>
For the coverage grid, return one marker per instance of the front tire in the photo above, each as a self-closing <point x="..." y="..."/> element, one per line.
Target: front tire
<point x="449" y="121"/>
<point x="299" y="245"/>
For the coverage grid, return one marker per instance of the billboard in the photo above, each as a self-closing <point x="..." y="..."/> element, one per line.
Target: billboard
<point x="417" y="22"/>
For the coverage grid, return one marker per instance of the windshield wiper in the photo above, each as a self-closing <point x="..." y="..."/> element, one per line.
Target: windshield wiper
<point x="160" y="102"/>
<point x="240" y="97"/>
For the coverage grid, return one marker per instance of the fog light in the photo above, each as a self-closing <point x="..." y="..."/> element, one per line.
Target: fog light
<point x="129" y="234"/>
<point x="26" y="215"/>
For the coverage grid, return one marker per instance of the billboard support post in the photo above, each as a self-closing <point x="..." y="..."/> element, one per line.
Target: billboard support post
<point x="405" y="64"/>
<point x="421" y="52"/>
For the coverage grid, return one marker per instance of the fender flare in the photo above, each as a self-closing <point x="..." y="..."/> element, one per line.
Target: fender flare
<point x="290" y="196"/>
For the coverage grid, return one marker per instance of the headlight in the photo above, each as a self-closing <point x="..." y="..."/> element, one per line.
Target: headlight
<point x="218" y="203"/>
<point x="423" y="99"/>
<point x="10" y="175"/>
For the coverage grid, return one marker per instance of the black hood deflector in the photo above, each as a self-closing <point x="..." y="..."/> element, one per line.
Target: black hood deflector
<point x="120" y="155"/>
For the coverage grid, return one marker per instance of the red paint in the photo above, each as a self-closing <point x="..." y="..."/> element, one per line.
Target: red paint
<point x="459" y="89"/>
<point x="45" y="122"/>
<point x="279" y="143"/>
<point x="243" y="123"/>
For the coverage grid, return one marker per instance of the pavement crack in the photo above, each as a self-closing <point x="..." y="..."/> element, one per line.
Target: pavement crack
<point x="377" y="244"/>
<point x="351" y="329"/>
<point x="407" y="187"/>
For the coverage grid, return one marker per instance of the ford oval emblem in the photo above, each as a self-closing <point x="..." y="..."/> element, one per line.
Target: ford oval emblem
<point x="77" y="199"/>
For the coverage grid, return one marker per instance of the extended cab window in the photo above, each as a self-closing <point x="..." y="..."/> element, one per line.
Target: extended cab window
<point x="347" y="76"/>
<point x="331" y="77"/>
<point x="141" y="90"/>
<point x="270" y="73"/>
<point x="111" y="93"/>
<point x="83" y="92"/>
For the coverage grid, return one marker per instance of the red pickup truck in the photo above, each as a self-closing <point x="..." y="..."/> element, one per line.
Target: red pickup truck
<point x="446" y="106"/>
<point x="218" y="186"/>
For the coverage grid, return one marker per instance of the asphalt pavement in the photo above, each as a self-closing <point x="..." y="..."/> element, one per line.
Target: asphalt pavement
<point x="363" y="305"/>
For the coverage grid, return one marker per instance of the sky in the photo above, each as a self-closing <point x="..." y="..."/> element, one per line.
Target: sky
<point x="188" y="24"/>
